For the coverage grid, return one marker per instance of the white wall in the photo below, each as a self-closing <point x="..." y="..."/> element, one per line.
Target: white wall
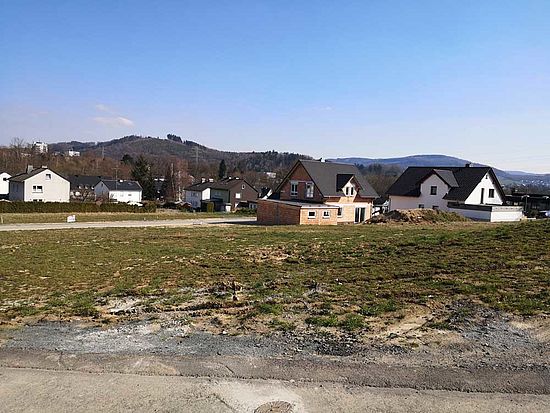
<point x="410" y="202"/>
<point x="131" y="197"/>
<point x="4" y="183"/>
<point x="486" y="183"/>
<point x="492" y="214"/>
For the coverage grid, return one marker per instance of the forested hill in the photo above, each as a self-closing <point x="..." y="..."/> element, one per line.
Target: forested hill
<point x="174" y="147"/>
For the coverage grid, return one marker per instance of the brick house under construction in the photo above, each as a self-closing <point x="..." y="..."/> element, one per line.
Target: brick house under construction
<point x="319" y="193"/>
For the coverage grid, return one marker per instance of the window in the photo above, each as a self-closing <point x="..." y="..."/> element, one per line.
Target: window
<point x="340" y="211"/>
<point x="347" y="190"/>
<point x="309" y="190"/>
<point x="293" y="188"/>
<point x="237" y="195"/>
<point x="242" y="186"/>
<point x="433" y="190"/>
<point x="421" y="206"/>
<point x="311" y="214"/>
<point x="435" y="207"/>
<point x="491" y="193"/>
<point x="326" y="214"/>
<point x="352" y="190"/>
<point x="48" y="177"/>
<point x="37" y="189"/>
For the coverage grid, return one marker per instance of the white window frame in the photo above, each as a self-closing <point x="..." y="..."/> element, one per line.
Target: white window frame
<point x="310" y="216"/>
<point x="310" y="189"/>
<point x="340" y="212"/>
<point x="421" y="206"/>
<point x="48" y="177"/>
<point x="37" y="189"/>
<point x="237" y="195"/>
<point x="326" y="214"/>
<point x="433" y="190"/>
<point x="292" y="185"/>
<point x="491" y="193"/>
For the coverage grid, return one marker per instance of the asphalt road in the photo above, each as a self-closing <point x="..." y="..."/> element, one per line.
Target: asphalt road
<point x="127" y="224"/>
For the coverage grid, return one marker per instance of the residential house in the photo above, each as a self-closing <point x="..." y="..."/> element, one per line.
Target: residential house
<point x="39" y="185"/>
<point x="319" y="193"/>
<point x="194" y="194"/>
<point x="4" y="185"/>
<point x="227" y="194"/>
<point x="83" y="186"/>
<point x="118" y="190"/>
<point x="473" y="192"/>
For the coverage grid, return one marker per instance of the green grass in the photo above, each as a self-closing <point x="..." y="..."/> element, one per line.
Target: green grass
<point x="52" y="217"/>
<point x="333" y="276"/>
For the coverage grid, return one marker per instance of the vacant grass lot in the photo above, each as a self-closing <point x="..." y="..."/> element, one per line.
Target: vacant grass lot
<point x="28" y="218"/>
<point x="331" y="276"/>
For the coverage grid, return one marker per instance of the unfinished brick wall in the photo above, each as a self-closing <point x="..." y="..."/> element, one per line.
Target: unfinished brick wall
<point x="275" y="213"/>
<point x="318" y="220"/>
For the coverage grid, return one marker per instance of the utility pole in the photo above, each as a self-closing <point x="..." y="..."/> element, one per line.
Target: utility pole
<point x="116" y="177"/>
<point x="196" y="161"/>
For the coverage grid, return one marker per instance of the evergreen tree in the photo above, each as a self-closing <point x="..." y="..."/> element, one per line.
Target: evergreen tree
<point x="142" y="173"/>
<point x="222" y="170"/>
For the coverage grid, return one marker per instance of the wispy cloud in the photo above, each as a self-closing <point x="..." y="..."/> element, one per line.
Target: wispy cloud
<point x="114" y="121"/>
<point x="103" y="108"/>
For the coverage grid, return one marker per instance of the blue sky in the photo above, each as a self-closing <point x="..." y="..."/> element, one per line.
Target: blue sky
<point x="326" y="78"/>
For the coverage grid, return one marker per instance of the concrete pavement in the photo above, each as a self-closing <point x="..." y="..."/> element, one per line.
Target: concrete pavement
<point x="30" y="390"/>
<point x="127" y="224"/>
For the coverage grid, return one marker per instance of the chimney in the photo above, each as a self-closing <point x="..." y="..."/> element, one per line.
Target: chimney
<point x="468" y="165"/>
<point x="210" y="180"/>
<point x="29" y="169"/>
<point x="203" y="180"/>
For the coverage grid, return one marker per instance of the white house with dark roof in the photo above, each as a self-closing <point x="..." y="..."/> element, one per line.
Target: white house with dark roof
<point x="119" y="190"/>
<point x="4" y="184"/>
<point x="473" y="192"/>
<point x="39" y="185"/>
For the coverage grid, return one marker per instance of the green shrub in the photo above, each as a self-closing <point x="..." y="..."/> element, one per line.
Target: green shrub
<point x="34" y="207"/>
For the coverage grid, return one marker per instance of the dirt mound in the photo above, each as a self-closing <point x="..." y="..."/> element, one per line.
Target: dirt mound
<point x="417" y="216"/>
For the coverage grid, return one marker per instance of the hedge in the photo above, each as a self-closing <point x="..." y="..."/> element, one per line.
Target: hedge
<point x="29" y="207"/>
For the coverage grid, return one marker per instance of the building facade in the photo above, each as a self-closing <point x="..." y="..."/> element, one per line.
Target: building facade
<point x="310" y="185"/>
<point x="119" y="191"/>
<point x="473" y="192"/>
<point x="39" y="185"/>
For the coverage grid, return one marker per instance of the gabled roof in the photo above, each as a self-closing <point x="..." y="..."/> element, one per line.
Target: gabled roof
<point x="461" y="180"/>
<point x="329" y="177"/>
<point x="224" y="184"/>
<point x="84" y="180"/>
<point x="24" y="176"/>
<point x="121" y="185"/>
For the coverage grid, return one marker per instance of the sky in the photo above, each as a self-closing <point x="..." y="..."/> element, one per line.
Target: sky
<point x="326" y="78"/>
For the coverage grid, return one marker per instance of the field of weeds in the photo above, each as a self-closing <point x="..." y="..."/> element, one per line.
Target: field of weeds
<point x="250" y="278"/>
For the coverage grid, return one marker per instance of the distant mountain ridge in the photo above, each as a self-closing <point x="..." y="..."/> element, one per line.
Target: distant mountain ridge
<point x="505" y="177"/>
